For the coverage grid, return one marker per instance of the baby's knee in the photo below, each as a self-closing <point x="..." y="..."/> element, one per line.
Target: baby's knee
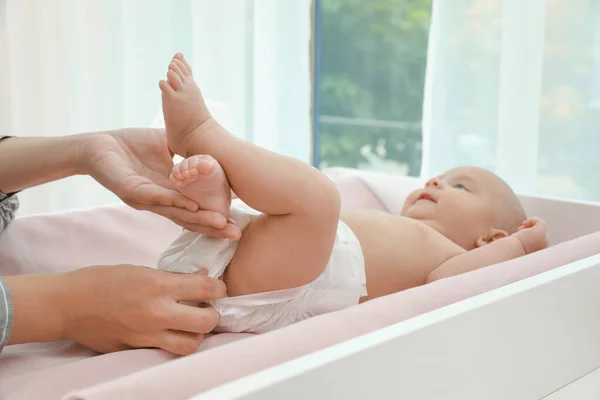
<point x="328" y="202"/>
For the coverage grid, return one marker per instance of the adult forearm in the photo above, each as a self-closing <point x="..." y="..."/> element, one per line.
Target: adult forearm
<point x="27" y="162"/>
<point x="38" y="302"/>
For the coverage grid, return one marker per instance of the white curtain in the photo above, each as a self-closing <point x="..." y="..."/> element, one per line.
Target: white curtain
<point x="70" y="66"/>
<point x="514" y="86"/>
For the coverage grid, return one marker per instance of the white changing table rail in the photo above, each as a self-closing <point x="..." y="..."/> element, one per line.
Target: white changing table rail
<point x="526" y="340"/>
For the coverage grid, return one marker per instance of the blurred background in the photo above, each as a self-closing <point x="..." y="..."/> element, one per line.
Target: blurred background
<point x="409" y="87"/>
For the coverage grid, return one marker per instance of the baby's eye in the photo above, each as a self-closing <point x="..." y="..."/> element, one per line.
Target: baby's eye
<point x="459" y="186"/>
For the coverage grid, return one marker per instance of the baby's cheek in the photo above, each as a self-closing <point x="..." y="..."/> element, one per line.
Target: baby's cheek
<point x="410" y="199"/>
<point x="466" y="214"/>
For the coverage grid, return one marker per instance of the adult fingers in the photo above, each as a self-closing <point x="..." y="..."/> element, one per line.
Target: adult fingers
<point x="155" y="195"/>
<point x="180" y="343"/>
<point x="199" y="217"/>
<point x="230" y="231"/>
<point x="195" y="287"/>
<point x="193" y="319"/>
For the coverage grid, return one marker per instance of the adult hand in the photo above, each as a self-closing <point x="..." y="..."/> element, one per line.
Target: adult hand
<point x="115" y="308"/>
<point x="134" y="164"/>
<point x="128" y="307"/>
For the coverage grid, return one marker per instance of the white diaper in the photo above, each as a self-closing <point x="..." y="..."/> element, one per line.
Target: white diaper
<point x="341" y="285"/>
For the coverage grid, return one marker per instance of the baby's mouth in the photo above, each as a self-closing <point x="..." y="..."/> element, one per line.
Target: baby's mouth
<point x="425" y="196"/>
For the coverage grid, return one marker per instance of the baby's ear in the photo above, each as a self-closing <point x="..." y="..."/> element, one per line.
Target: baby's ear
<point x="493" y="235"/>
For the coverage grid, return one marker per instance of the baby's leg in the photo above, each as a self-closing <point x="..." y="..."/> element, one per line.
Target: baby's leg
<point x="202" y="179"/>
<point x="290" y="244"/>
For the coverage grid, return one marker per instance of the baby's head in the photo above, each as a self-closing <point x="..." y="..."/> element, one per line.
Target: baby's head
<point x="470" y="206"/>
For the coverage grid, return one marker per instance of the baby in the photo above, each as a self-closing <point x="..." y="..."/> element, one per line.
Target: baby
<point x="298" y="255"/>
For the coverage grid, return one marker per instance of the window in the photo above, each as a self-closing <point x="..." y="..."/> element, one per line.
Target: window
<point x="370" y="59"/>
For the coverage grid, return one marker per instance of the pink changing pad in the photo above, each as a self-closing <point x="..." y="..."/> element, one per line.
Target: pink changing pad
<point x="121" y="235"/>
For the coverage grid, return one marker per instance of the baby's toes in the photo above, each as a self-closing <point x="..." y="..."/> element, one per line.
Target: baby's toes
<point x="173" y="178"/>
<point x="176" y="174"/>
<point x="206" y="165"/>
<point x="193" y="165"/>
<point x="187" y="68"/>
<point x="181" y="66"/>
<point x="185" y="169"/>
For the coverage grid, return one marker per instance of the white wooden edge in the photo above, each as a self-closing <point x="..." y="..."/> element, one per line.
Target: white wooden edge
<point x="525" y="340"/>
<point x="585" y="388"/>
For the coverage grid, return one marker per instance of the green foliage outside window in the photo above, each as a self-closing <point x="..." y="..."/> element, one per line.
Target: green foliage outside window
<point x="372" y="77"/>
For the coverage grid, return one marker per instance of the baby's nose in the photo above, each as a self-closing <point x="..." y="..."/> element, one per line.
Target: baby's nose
<point x="435" y="182"/>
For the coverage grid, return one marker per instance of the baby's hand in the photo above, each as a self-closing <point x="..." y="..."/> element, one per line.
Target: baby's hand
<point x="533" y="235"/>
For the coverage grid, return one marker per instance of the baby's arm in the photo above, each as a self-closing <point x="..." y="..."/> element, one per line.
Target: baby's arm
<point x="531" y="237"/>
<point x="493" y="253"/>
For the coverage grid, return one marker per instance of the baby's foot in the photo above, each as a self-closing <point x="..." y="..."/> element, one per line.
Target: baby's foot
<point x="202" y="179"/>
<point x="183" y="106"/>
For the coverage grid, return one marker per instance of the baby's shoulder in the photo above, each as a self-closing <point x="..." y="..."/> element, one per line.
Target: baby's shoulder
<point x="399" y="227"/>
<point x="414" y="238"/>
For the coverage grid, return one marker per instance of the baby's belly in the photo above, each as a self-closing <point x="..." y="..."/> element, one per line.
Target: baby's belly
<point x="395" y="252"/>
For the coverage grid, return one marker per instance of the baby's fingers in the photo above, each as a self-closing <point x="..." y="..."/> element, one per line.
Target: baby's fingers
<point x="529" y="223"/>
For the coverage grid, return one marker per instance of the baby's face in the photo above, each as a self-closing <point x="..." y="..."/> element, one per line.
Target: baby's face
<point x="461" y="204"/>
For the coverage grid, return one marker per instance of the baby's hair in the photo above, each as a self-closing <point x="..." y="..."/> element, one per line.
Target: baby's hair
<point x="512" y="214"/>
<point x="514" y="217"/>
